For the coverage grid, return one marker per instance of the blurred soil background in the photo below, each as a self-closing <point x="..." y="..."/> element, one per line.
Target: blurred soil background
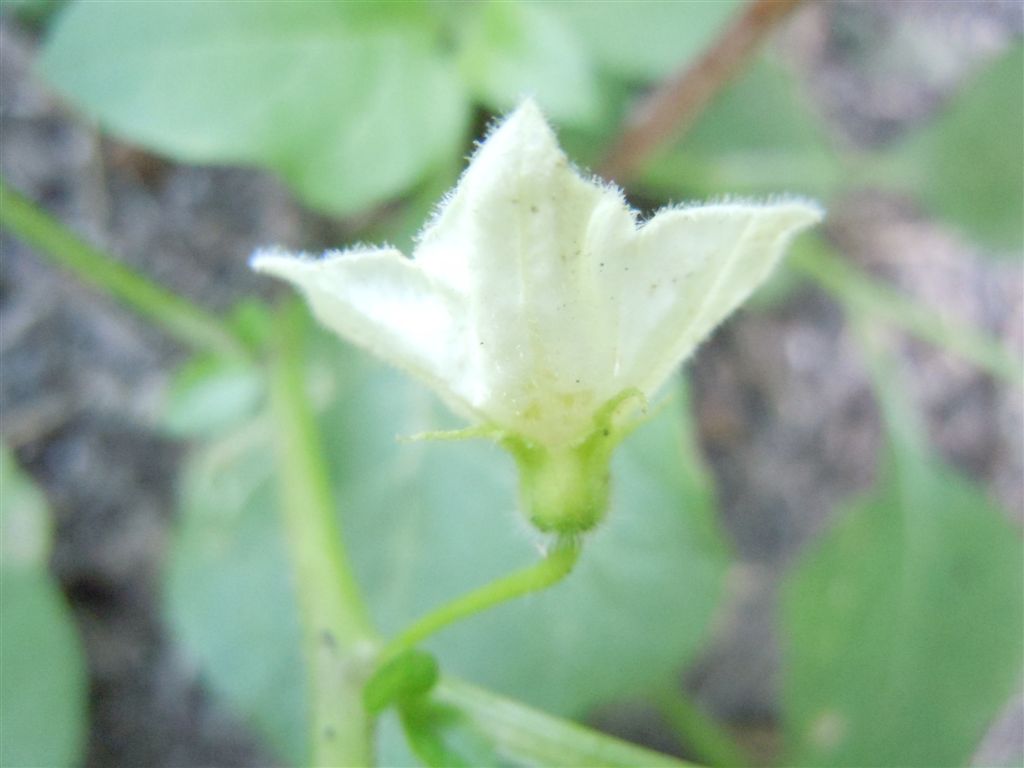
<point x="787" y="418"/>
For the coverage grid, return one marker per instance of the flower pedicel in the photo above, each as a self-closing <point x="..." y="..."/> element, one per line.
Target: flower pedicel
<point x="539" y="308"/>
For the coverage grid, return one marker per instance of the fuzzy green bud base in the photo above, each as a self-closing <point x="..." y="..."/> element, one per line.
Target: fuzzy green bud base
<point x="566" y="489"/>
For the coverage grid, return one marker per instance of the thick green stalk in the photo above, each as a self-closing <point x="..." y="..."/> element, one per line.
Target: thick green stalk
<point x="338" y="641"/>
<point x="552" y="569"/>
<point x="188" y="323"/>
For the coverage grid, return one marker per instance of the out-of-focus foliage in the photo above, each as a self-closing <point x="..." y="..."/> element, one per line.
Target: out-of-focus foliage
<point x="903" y="626"/>
<point x="905" y="623"/>
<point x="462" y="725"/>
<point x="644" y="40"/>
<point x="42" y="696"/>
<point x="511" y="49"/>
<point x="966" y="165"/>
<point x="34" y="14"/>
<point x="209" y="395"/>
<point x="758" y="137"/>
<point x="426" y="522"/>
<point x="354" y="103"/>
<point x="350" y="102"/>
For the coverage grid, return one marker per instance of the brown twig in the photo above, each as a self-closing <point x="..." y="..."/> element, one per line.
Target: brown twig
<point x="674" y="106"/>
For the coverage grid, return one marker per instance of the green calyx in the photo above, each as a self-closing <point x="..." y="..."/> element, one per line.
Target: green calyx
<point x="566" y="489"/>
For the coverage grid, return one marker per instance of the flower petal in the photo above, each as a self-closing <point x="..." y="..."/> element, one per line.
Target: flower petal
<point x="381" y="301"/>
<point x="694" y="266"/>
<point x="524" y="237"/>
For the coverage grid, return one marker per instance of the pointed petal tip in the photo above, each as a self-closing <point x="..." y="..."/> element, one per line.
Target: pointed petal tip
<point x="528" y="108"/>
<point x="796" y="214"/>
<point x="807" y="211"/>
<point x="525" y="122"/>
<point x="282" y="264"/>
<point x="270" y="260"/>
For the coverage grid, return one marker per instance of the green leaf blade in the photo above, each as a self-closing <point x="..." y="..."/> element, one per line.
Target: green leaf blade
<point x="229" y="587"/>
<point x="43" y="716"/>
<point x="965" y="165"/>
<point x="350" y="106"/>
<point x="648" y="39"/>
<point x="904" y="628"/>
<point x="759" y="136"/>
<point x="528" y="737"/>
<point x="511" y="50"/>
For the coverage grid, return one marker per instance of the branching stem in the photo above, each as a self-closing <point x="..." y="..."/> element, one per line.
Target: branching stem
<point x="189" y="324"/>
<point x="861" y="293"/>
<point x="549" y="571"/>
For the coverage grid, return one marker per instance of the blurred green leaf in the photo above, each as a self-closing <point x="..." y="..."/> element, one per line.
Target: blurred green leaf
<point x="512" y="50"/>
<point x="759" y="136"/>
<point x="33" y="13"/>
<point x="466" y="725"/>
<point x="426" y="522"/>
<point x="587" y="144"/>
<point x="230" y="590"/>
<point x="351" y="103"/>
<point x="252" y="322"/>
<point x="43" y="697"/>
<point x="441" y="736"/>
<point x="966" y="166"/>
<point x="209" y="395"/>
<point x="903" y="626"/>
<point x="646" y="39"/>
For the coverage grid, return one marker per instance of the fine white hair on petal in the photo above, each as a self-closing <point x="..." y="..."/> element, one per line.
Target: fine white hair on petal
<point x="262" y="257"/>
<point x="727" y="201"/>
<point x="695" y="266"/>
<point x="381" y="301"/>
<point x="535" y="294"/>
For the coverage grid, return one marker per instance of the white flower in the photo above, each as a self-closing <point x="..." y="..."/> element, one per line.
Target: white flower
<point x="535" y="298"/>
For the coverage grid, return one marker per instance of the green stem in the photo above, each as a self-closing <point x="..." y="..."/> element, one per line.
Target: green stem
<point x="338" y="641"/>
<point x="699" y="732"/>
<point x="549" y="571"/>
<point x="185" y="321"/>
<point x="862" y="293"/>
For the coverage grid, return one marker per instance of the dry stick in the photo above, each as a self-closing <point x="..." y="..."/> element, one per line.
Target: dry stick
<point x="673" y="107"/>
